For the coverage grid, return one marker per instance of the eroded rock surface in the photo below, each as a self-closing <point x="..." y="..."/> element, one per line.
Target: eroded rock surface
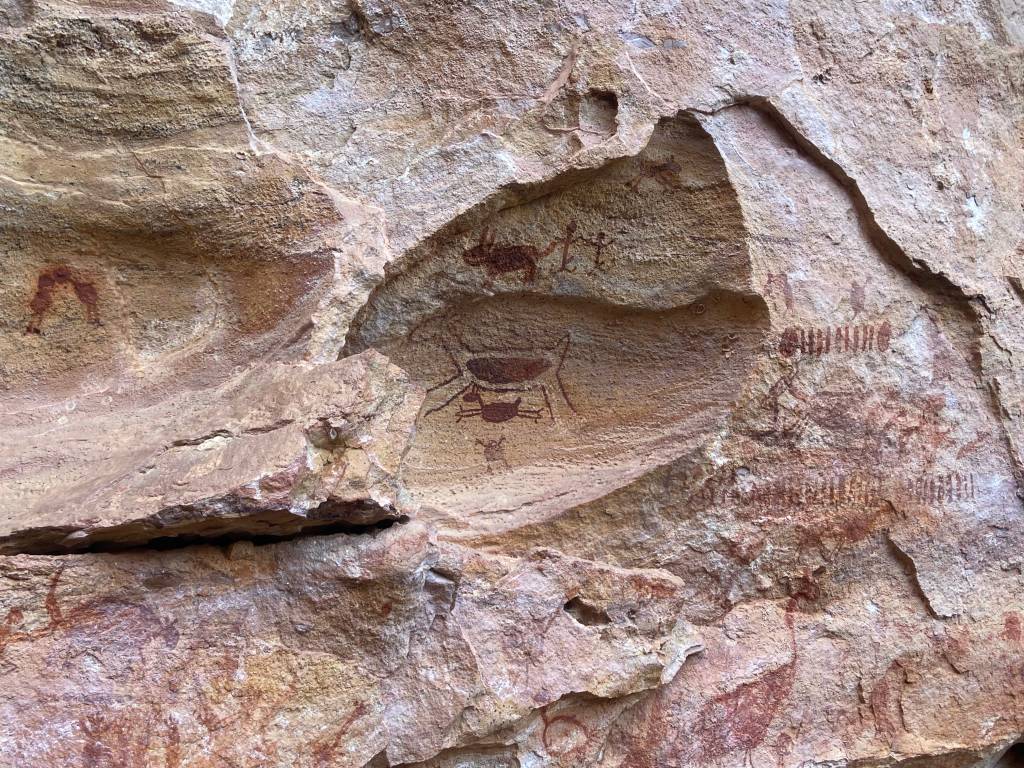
<point x="639" y="384"/>
<point x="324" y="651"/>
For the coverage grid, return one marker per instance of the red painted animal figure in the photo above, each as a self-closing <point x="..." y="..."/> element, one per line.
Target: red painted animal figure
<point x="738" y="720"/>
<point x="494" y="452"/>
<point x="665" y="174"/>
<point x="504" y="259"/>
<point x="496" y="412"/>
<point x="500" y="372"/>
<point x="48" y="282"/>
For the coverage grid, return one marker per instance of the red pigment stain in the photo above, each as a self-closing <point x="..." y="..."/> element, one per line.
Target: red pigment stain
<point x="1012" y="627"/>
<point x="52" y="278"/>
<point x="563" y="734"/>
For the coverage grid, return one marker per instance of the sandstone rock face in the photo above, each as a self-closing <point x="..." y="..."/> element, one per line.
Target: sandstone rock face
<point x="320" y="652"/>
<point x="508" y="385"/>
<point x="283" y="448"/>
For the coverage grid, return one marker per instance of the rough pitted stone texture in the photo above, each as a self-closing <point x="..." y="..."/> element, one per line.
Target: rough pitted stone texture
<point x="512" y="384"/>
<point x="323" y="651"/>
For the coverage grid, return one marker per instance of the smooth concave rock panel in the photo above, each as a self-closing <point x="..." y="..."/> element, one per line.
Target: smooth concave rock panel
<point x="574" y="337"/>
<point x="531" y="399"/>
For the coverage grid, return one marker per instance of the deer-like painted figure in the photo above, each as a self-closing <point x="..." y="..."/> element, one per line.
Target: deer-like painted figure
<point x="504" y="259"/>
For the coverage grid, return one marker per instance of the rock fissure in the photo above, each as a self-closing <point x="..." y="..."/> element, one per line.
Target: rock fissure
<point x="172" y="529"/>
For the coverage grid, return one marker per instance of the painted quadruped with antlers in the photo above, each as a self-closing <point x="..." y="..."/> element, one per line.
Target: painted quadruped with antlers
<point x="499" y="259"/>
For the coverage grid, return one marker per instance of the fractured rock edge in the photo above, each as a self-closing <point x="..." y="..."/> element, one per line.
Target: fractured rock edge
<point x="277" y="450"/>
<point x="155" y="629"/>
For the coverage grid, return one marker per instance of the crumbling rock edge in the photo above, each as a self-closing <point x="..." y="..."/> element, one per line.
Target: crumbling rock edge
<point x="446" y="602"/>
<point x="172" y="529"/>
<point x="271" y="452"/>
